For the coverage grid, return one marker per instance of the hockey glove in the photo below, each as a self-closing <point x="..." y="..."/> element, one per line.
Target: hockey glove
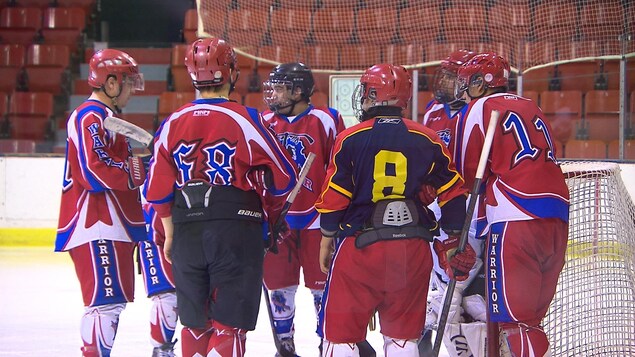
<point x="427" y="195"/>
<point x="136" y="171"/>
<point x="456" y="265"/>
<point x="276" y="235"/>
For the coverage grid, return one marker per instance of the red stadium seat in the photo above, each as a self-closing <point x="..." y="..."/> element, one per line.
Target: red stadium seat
<point x="87" y="5"/>
<point x="29" y="115"/>
<point x="421" y="24"/>
<point x="17" y="146"/>
<point x="323" y="57"/>
<point x="555" y="20"/>
<point x="255" y="100"/>
<point x="181" y="81"/>
<point x="333" y="25"/>
<point x="213" y="20"/>
<point x="629" y="149"/>
<point x="403" y="54"/>
<point x="578" y="75"/>
<point x="63" y="26"/>
<point x="282" y="54"/>
<point x="585" y="149"/>
<point x="376" y="26"/>
<point x="601" y="20"/>
<point x="423" y="98"/>
<point x="320" y="99"/>
<point x="190" y="26"/>
<point x="464" y="23"/>
<point x="144" y="120"/>
<point x="516" y="26"/>
<point x="46" y="68"/>
<point x="19" y="24"/>
<point x="12" y="59"/>
<point x="359" y="57"/>
<point x="563" y="110"/>
<point x="533" y="95"/>
<point x="601" y="110"/>
<point x="169" y="102"/>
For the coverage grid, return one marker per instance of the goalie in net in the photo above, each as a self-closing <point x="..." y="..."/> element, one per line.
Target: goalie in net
<point x="465" y="330"/>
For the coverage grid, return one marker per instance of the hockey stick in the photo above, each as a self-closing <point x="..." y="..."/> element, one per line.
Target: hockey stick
<point x="283" y="214"/>
<point x="129" y="130"/>
<point x="480" y="170"/>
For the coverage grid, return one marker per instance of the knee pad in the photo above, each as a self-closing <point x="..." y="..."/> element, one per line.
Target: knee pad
<point x="339" y="349"/>
<point x="163" y="318"/>
<point x="283" y="308"/>
<point x="98" y="328"/>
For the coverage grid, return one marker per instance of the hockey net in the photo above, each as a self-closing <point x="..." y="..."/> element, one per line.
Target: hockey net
<point x="344" y="35"/>
<point x="593" y="311"/>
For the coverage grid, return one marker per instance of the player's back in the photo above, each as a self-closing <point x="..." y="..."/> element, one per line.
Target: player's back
<point x="523" y="173"/>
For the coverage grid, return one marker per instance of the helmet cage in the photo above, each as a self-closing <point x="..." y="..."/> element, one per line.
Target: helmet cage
<point x="277" y="101"/>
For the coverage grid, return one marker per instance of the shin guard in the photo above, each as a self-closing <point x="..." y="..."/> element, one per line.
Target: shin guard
<point x="194" y="341"/>
<point x="163" y="317"/>
<point x="283" y="308"/>
<point x="99" y="328"/>
<point x="226" y="341"/>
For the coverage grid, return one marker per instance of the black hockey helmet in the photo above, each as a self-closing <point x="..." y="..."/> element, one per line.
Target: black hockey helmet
<point x="294" y="74"/>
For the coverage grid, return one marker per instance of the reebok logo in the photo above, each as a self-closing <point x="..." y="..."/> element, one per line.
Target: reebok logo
<point x="201" y="113"/>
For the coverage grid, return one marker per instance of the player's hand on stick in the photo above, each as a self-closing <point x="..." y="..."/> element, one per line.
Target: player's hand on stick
<point x="457" y="265"/>
<point x="276" y="235"/>
<point x="326" y="253"/>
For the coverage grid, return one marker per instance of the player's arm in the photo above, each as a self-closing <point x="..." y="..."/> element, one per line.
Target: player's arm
<point x="101" y="168"/>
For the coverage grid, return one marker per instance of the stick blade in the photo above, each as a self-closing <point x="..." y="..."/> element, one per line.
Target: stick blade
<point x="129" y="130"/>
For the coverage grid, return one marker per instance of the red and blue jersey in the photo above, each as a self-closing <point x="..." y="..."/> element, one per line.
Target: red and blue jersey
<point x="218" y="141"/>
<point x="312" y="131"/>
<point x="388" y="158"/>
<point x="97" y="202"/>
<point x="523" y="180"/>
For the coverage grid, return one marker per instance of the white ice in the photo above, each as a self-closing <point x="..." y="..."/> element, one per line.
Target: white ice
<point x="41" y="306"/>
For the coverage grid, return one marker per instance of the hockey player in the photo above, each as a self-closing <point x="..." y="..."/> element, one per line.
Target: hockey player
<point x="301" y="128"/>
<point x="443" y="115"/>
<point x="526" y="203"/>
<point x="101" y="218"/>
<point x="209" y="158"/>
<point x="159" y="285"/>
<point x="381" y="258"/>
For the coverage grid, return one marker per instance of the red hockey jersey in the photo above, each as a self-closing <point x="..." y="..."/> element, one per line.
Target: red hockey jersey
<point x="97" y="202"/>
<point x="314" y="131"/>
<point x="523" y="180"/>
<point x="216" y="140"/>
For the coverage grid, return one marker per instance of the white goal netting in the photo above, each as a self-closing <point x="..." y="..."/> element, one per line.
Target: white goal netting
<point x="593" y="312"/>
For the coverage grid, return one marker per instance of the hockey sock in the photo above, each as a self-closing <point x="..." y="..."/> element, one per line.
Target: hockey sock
<point x="227" y="341"/>
<point x="317" y="299"/>
<point x="331" y="349"/>
<point x="194" y="341"/>
<point x="524" y="340"/>
<point x="98" y="328"/>
<point x="163" y="317"/>
<point x="283" y="308"/>
<point x="400" y="348"/>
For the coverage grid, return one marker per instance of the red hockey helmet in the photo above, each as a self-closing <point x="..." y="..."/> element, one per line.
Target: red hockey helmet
<point x="445" y="76"/>
<point x="110" y="62"/>
<point x="492" y="68"/>
<point x="210" y="62"/>
<point x="384" y="85"/>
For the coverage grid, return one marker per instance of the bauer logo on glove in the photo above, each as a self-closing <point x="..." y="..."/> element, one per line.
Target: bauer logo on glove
<point x="456" y="264"/>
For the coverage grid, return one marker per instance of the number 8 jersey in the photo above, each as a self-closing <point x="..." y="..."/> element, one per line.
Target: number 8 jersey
<point x="521" y="152"/>
<point x="388" y="158"/>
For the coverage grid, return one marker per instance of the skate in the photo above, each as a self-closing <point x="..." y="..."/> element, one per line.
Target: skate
<point x="288" y="346"/>
<point x="165" y="350"/>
